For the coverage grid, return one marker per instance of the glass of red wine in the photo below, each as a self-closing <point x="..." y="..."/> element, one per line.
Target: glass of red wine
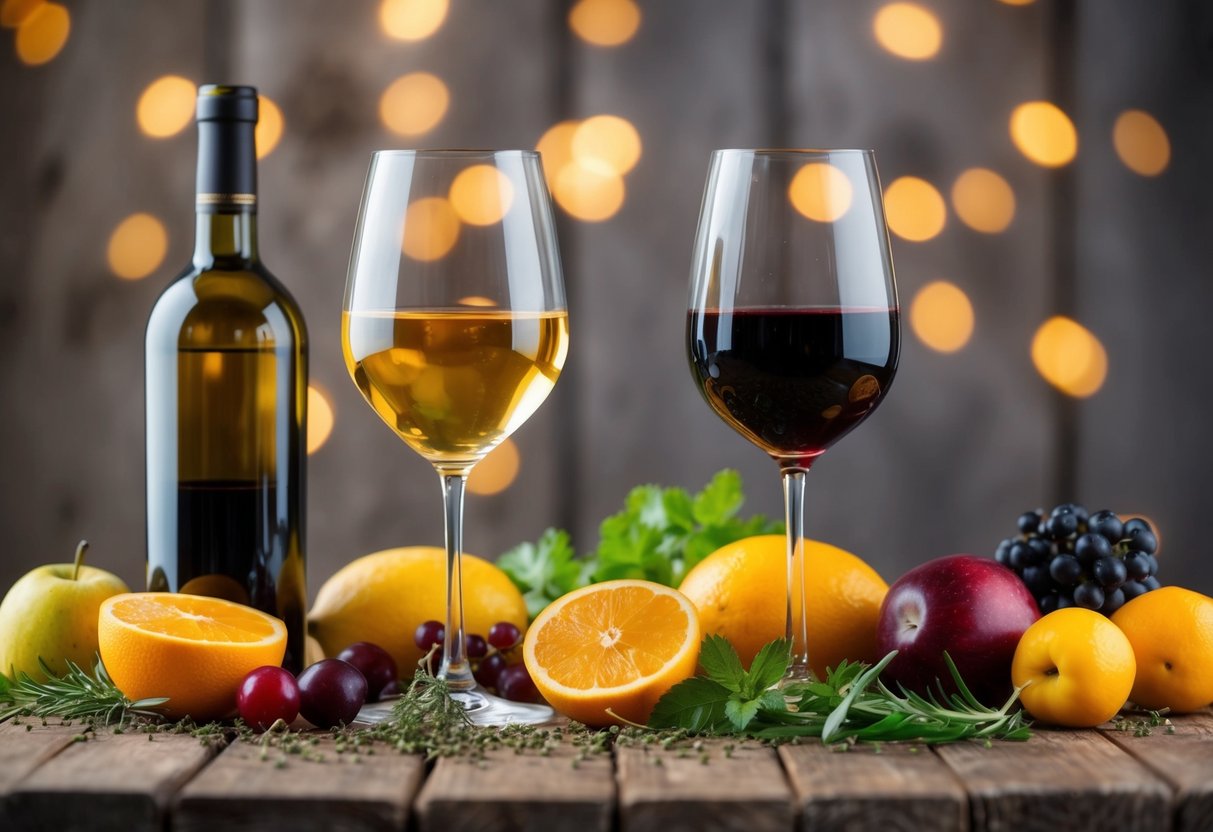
<point x="793" y="329"/>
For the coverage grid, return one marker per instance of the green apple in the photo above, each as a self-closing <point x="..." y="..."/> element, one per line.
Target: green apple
<point x="51" y="612"/>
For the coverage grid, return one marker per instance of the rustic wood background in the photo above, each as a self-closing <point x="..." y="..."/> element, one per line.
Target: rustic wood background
<point x="963" y="444"/>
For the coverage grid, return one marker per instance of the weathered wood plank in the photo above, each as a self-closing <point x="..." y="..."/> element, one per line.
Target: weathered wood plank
<point x="744" y="791"/>
<point x="1185" y="760"/>
<point x="23" y="748"/>
<point x="896" y="788"/>
<point x="341" y="793"/>
<point x="110" y="782"/>
<point x="1058" y="780"/>
<point x="509" y="792"/>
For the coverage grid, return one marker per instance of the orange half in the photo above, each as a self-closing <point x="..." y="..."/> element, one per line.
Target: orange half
<point x="617" y="645"/>
<point x="193" y="649"/>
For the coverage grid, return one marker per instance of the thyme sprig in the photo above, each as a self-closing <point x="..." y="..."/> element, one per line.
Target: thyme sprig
<point x="77" y="694"/>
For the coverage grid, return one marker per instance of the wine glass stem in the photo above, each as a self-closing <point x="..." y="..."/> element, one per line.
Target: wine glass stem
<point x="455" y="667"/>
<point x="797" y="625"/>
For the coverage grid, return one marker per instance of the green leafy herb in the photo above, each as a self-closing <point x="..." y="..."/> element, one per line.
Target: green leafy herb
<point x="75" y="695"/>
<point x="658" y="536"/>
<point x="852" y="704"/>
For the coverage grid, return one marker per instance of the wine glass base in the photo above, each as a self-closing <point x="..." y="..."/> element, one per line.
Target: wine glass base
<point x="483" y="708"/>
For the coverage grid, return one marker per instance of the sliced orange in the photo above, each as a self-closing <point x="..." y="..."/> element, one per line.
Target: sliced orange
<point x="192" y="649"/>
<point x="617" y="645"/>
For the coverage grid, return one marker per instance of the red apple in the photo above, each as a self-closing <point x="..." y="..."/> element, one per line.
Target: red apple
<point x="973" y="608"/>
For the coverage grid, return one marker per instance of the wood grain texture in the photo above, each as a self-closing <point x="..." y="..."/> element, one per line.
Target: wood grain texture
<point x="240" y="791"/>
<point x="1185" y="760"/>
<point x="896" y="789"/>
<point x="23" y="748"/>
<point x="110" y="782"/>
<point x="1058" y="780"/>
<point x="745" y="791"/>
<point x="511" y="792"/>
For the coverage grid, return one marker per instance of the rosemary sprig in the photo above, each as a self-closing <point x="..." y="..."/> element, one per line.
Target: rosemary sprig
<point x="75" y="695"/>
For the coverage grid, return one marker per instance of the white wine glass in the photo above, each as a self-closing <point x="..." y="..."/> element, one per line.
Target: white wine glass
<point x="455" y="329"/>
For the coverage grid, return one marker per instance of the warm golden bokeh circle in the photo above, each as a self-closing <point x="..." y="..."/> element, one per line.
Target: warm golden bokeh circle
<point x="412" y="20"/>
<point x="320" y="418"/>
<point x="1141" y="142"/>
<point x="908" y="31"/>
<point x="431" y="229"/>
<point x="555" y="148"/>
<point x="137" y="246"/>
<point x="1070" y="357"/>
<point x="481" y="195"/>
<point x="1044" y="133"/>
<point x="414" y="104"/>
<point x="941" y="315"/>
<point x="166" y="106"/>
<point x="589" y="194"/>
<point x="605" y="22"/>
<point x="497" y="471"/>
<point x="42" y="33"/>
<point x="14" y="12"/>
<point x="983" y="200"/>
<point x="914" y="209"/>
<point x="607" y="141"/>
<point x="270" y="125"/>
<point x="821" y="192"/>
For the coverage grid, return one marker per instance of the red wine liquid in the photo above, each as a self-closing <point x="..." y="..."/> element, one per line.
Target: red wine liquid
<point x="794" y="380"/>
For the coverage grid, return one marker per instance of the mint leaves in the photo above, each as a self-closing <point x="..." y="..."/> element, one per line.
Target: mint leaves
<point x="852" y="704"/>
<point x="660" y="534"/>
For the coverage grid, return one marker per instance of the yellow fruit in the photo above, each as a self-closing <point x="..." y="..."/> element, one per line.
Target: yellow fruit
<point x="740" y="592"/>
<point x="617" y="645"/>
<point x="192" y="649"/>
<point x="382" y="597"/>
<point x="1171" y="630"/>
<point x="1078" y="667"/>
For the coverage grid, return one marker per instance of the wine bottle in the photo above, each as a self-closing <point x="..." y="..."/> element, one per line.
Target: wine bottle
<point x="226" y="354"/>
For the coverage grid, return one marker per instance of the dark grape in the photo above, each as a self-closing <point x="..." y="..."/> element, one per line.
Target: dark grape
<point x="1151" y="583"/>
<point x="475" y="647"/>
<point x="1153" y="560"/>
<point x="1136" y="523"/>
<point x="1110" y="571"/>
<point x="331" y="692"/>
<point x="1029" y="521"/>
<point x="1064" y="599"/>
<point x="1143" y="540"/>
<point x="503" y="635"/>
<point x="1048" y="603"/>
<point x="1108" y="524"/>
<point x="1114" y="601"/>
<point x="490" y="666"/>
<point x="1003" y="552"/>
<point x="428" y="634"/>
<point x="1042" y="550"/>
<point x="375" y="663"/>
<point x="1137" y="565"/>
<point x="1061" y="526"/>
<point x="1089" y="595"/>
<point x="514" y="683"/>
<point x="1066" y="570"/>
<point x="1079" y="512"/>
<point x="267" y="695"/>
<point x="1037" y="580"/>
<point x="1132" y="589"/>
<point x="1091" y="547"/>
<point x="1020" y="555"/>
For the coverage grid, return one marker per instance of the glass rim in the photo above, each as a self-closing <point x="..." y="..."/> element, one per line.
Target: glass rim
<point x="456" y="152"/>
<point x="795" y="152"/>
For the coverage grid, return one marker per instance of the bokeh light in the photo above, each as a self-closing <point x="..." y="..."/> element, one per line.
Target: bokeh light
<point x="42" y="33"/>
<point x="609" y="142"/>
<point x="13" y="12"/>
<point x="481" y="195"/>
<point x="556" y="149"/>
<point x="1043" y="133"/>
<point x="270" y="125"/>
<point x="908" y="31"/>
<point x="605" y="22"/>
<point x="166" y="106"/>
<point x="589" y="194"/>
<point x="412" y="19"/>
<point x="431" y="229"/>
<point x="820" y="192"/>
<point x="137" y="246"/>
<point x="983" y="200"/>
<point x="941" y="315"/>
<point x="1141" y="142"/>
<point x="1070" y="357"/>
<point x="414" y="104"/>
<point x="1018" y="2"/>
<point x="915" y="210"/>
<point x="497" y="471"/>
<point x="320" y="418"/>
<point x="477" y="300"/>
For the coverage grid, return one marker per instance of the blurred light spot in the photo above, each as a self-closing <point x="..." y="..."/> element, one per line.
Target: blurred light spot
<point x="477" y="300"/>
<point x="481" y="195"/>
<point x="1019" y="2"/>
<point x="942" y="316"/>
<point x="1043" y="133"/>
<point x="983" y="200"/>
<point x="212" y="366"/>
<point x="13" y="12"/>
<point x="1069" y="357"/>
<point x="820" y="192"/>
<point x="497" y="471"/>
<point x="556" y="149"/>
<point x="605" y="22"/>
<point x="588" y="194"/>
<point x="414" y="104"/>
<point x="269" y="127"/>
<point x="609" y="143"/>
<point x="43" y="33"/>
<point x="1141" y="142"/>
<point x="908" y="31"/>
<point x="431" y="229"/>
<point x="166" y="106"/>
<point x="137" y="247"/>
<point x="411" y="19"/>
<point x="320" y="418"/>
<point x="914" y="209"/>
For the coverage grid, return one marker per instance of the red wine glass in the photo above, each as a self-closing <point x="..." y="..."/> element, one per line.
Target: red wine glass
<point x="793" y="330"/>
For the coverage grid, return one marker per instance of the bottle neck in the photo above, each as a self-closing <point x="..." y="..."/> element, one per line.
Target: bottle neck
<point x="226" y="201"/>
<point x="227" y="238"/>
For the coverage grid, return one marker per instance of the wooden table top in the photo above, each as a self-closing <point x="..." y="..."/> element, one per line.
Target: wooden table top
<point x="1059" y="780"/>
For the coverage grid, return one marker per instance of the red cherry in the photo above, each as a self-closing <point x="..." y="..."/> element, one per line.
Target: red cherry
<point x="267" y="695"/>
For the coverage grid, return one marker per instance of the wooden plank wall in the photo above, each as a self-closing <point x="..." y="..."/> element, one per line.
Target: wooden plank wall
<point x="960" y="447"/>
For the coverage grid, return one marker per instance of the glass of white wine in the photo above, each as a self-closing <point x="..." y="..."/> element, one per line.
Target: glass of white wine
<point x="455" y="329"/>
